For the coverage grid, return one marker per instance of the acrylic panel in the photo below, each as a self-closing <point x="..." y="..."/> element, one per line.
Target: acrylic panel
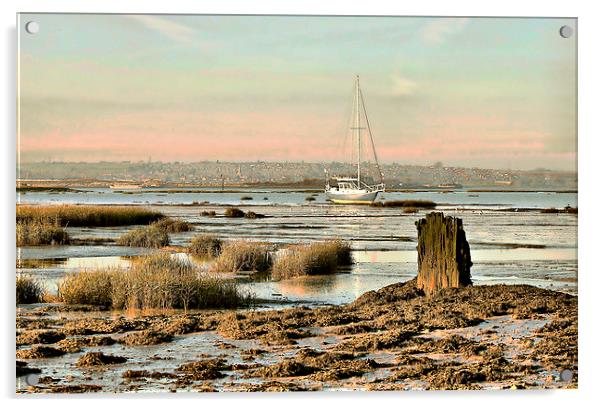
<point x="295" y="203"/>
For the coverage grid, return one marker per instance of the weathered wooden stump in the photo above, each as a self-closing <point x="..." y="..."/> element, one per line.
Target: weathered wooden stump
<point x="443" y="253"/>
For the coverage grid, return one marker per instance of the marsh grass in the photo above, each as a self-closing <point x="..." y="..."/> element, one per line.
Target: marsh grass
<point x="80" y="215"/>
<point x="312" y="259"/>
<point x="46" y="189"/>
<point x="233" y="213"/>
<point x="42" y="231"/>
<point x="148" y="236"/>
<point x="153" y="282"/>
<point x="209" y="214"/>
<point x="171" y="225"/>
<point x="93" y="287"/>
<point x="342" y="250"/>
<point x="242" y="255"/>
<point x="207" y="246"/>
<point x="29" y="290"/>
<point x="253" y="215"/>
<point x="567" y="209"/>
<point x="411" y="203"/>
<point x="237" y="213"/>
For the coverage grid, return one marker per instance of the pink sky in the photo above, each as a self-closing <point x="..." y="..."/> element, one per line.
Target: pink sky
<point x="193" y="136"/>
<point x="497" y="93"/>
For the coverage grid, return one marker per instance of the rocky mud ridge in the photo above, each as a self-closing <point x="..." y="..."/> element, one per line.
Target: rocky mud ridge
<point x="395" y="338"/>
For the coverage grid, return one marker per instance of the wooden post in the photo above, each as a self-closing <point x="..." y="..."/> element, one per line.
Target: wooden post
<point x="443" y="253"/>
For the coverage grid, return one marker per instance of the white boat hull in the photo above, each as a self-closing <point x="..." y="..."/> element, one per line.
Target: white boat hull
<point x="352" y="198"/>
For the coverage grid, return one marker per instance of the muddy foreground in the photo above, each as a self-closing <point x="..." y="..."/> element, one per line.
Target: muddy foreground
<point x="480" y="337"/>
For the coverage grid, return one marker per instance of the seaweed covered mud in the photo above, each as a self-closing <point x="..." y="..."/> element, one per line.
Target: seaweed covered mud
<point x="476" y="337"/>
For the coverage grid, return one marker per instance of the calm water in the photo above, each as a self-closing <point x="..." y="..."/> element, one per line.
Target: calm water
<point x="154" y="196"/>
<point x="507" y="247"/>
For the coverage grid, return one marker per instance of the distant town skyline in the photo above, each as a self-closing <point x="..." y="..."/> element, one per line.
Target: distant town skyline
<point x="467" y="92"/>
<point x="438" y="164"/>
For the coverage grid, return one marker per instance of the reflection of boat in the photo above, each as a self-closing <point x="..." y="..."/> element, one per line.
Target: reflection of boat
<point x="125" y="186"/>
<point x="351" y="190"/>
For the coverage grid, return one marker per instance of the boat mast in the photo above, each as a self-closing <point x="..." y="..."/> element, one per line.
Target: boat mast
<point x="357" y="126"/>
<point x="382" y="179"/>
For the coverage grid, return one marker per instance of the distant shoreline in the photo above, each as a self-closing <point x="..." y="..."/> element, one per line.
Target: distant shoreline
<point x="72" y="185"/>
<point x="306" y="175"/>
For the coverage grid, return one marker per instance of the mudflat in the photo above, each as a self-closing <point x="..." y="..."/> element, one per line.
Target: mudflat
<point x="478" y="337"/>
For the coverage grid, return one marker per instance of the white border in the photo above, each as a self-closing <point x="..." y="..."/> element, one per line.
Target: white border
<point x="589" y="178"/>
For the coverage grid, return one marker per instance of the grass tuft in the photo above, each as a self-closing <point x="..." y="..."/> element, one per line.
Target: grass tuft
<point x="253" y="215"/>
<point x="40" y="232"/>
<point x="149" y="236"/>
<point x="29" y="290"/>
<point x="94" y="287"/>
<point x="242" y="255"/>
<point x="153" y="282"/>
<point x="237" y="213"/>
<point x="312" y="259"/>
<point x="205" y="246"/>
<point x="233" y="213"/>
<point x="171" y="225"/>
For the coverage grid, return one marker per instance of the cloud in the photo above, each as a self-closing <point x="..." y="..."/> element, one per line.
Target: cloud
<point x="439" y="30"/>
<point x="177" y="32"/>
<point x="402" y="86"/>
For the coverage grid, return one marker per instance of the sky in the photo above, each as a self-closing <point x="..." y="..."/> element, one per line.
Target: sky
<point x="472" y="92"/>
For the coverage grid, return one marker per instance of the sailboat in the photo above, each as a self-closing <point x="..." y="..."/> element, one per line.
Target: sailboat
<point x="351" y="189"/>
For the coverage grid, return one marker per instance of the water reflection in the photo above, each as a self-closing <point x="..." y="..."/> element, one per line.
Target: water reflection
<point x="307" y="286"/>
<point x="76" y="262"/>
<point x="371" y="271"/>
<point x="478" y="255"/>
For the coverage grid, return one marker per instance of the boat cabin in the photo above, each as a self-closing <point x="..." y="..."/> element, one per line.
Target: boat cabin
<point x="344" y="184"/>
